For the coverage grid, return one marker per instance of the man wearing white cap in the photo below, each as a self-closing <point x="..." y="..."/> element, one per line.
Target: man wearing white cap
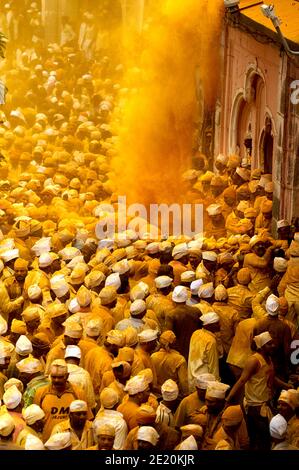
<point x="160" y="302"/>
<point x="203" y="353"/>
<point x="216" y="223"/>
<point x="30" y="372"/>
<point x="258" y="377"/>
<point x="138" y="392"/>
<point x="108" y="414"/>
<point x="207" y="267"/>
<point x="147" y="438"/>
<point x="189" y="408"/>
<point x="170" y="364"/>
<point x="137" y="319"/>
<point x="105" y="436"/>
<point x="278" y="431"/>
<point x="180" y="255"/>
<point x="55" y="398"/>
<point x="9" y="307"/>
<point x="77" y="425"/>
<point x="79" y="376"/>
<point x="147" y="340"/>
<point x="92" y="337"/>
<point x="280" y="333"/>
<point x="14" y="286"/>
<point x="34" y="419"/>
<point x="41" y="276"/>
<point x="258" y="262"/>
<point x="98" y="360"/>
<point x="7" y="428"/>
<point x="182" y="320"/>
<point x="167" y="407"/>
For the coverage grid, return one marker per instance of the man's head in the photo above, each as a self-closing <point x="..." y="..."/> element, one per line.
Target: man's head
<point x="288" y="401"/>
<point x="211" y="322"/>
<point x="201" y="384"/>
<point x="148" y="340"/>
<point x="28" y="369"/>
<point x="215" y="397"/>
<point x="105" y="435"/>
<point x="264" y="343"/>
<point x="73" y="332"/>
<point x="138" y="389"/>
<point x="231" y="420"/>
<point x="34" y="417"/>
<point x="115" y="339"/>
<point x="194" y="259"/>
<point x="78" y="414"/>
<point x="283" y="230"/>
<point x="194" y="430"/>
<point x="278" y="428"/>
<point x="59" y="374"/>
<point x="147" y="438"/>
<point x="20" y="269"/>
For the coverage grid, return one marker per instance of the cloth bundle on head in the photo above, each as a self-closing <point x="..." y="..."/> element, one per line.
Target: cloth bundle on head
<point x="214" y="209"/>
<point x="113" y="280"/>
<point x="244" y="276"/>
<point x="121" y="267"/>
<point x="59" y="285"/>
<point x="33" y="443"/>
<point x="7" y="424"/>
<point x="232" y="416"/>
<point x="32" y="413"/>
<point x="20" y="263"/>
<point x="59" y="441"/>
<point x="180" y="294"/>
<point x="243" y="173"/>
<point x="126" y="368"/>
<point x="10" y="255"/>
<point x="206" y="291"/>
<point x="94" y="279"/>
<point x="74" y="306"/>
<point x="282" y="223"/>
<point x="109" y="398"/>
<point x="23" y="346"/>
<point x="34" y="292"/>
<point x="179" y="251"/>
<point x="220" y="293"/>
<point x="78" y="274"/>
<point x="195" y="285"/>
<point x="280" y="264"/>
<point x="223" y="445"/>
<point x="278" y="427"/>
<point x="209" y="318"/>
<point x="72" y="351"/>
<point x="145" y="415"/>
<point x="72" y="329"/>
<point x="153" y="248"/>
<point x="69" y="252"/>
<point x="169" y="390"/>
<point x="148" y="434"/>
<point x="136" y="385"/>
<point x="108" y="295"/>
<point x="225" y="258"/>
<point x="104" y="429"/>
<point x="56" y="310"/>
<point x="216" y="390"/>
<point x="94" y="327"/>
<point x="167" y="337"/>
<point x="266" y="206"/>
<point x="78" y="405"/>
<point x="12" y="398"/>
<point x="209" y="256"/>
<point x="40" y="341"/>
<point x="29" y="365"/>
<point x="116" y="337"/>
<point x="192" y="430"/>
<point x="291" y="397"/>
<point x="262" y="339"/>
<point x="272" y="305"/>
<point x="3" y="326"/>
<point x="202" y="380"/>
<point x="45" y="260"/>
<point x="137" y="307"/>
<point x="18" y="327"/>
<point x="188" y="276"/>
<point x="126" y="354"/>
<point x="131" y="336"/>
<point x="147" y="335"/>
<point x="13" y="381"/>
<point x="83" y="296"/>
<point x="188" y="444"/>
<point x="163" y="281"/>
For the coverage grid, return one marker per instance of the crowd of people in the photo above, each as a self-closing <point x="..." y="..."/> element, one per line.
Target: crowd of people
<point x="130" y="342"/>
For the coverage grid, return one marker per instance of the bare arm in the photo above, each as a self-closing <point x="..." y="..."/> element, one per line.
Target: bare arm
<point x="249" y="370"/>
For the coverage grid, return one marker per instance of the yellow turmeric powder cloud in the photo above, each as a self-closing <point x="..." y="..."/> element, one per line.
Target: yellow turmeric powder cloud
<point x="180" y="40"/>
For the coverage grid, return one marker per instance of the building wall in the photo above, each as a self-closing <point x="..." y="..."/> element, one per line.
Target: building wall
<point x="255" y="95"/>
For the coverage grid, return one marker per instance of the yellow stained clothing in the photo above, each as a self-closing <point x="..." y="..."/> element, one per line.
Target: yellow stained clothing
<point x="57" y="352"/>
<point x="203" y="356"/>
<point x="86" y="345"/>
<point x="187" y="410"/>
<point x="293" y="431"/>
<point x="7" y="306"/>
<point x="241" y="344"/>
<point x="147" y="362"/>
<point x="22" y="437"/>
<point x="229" y="319"/>
<point x="160" y="304"/>
<point x="3" y="379"/>
<point x="81" y="378"/>
<point x="40" y="278"/>
<point x="86" y="440"/>
<point x="231" y="224"/>
<point x="171" y="365"/>
<point x="262" y="222"/>
<point x="258" y="389"/>
<point x="129" y="409"/>
<point x="97" y="361"/>
<point x="240" y="440"/>
<point x="240" y="298"/>
<point x="57" y="407"/>
<point x="178" y="270"/>
<point x="259" y="270"/>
